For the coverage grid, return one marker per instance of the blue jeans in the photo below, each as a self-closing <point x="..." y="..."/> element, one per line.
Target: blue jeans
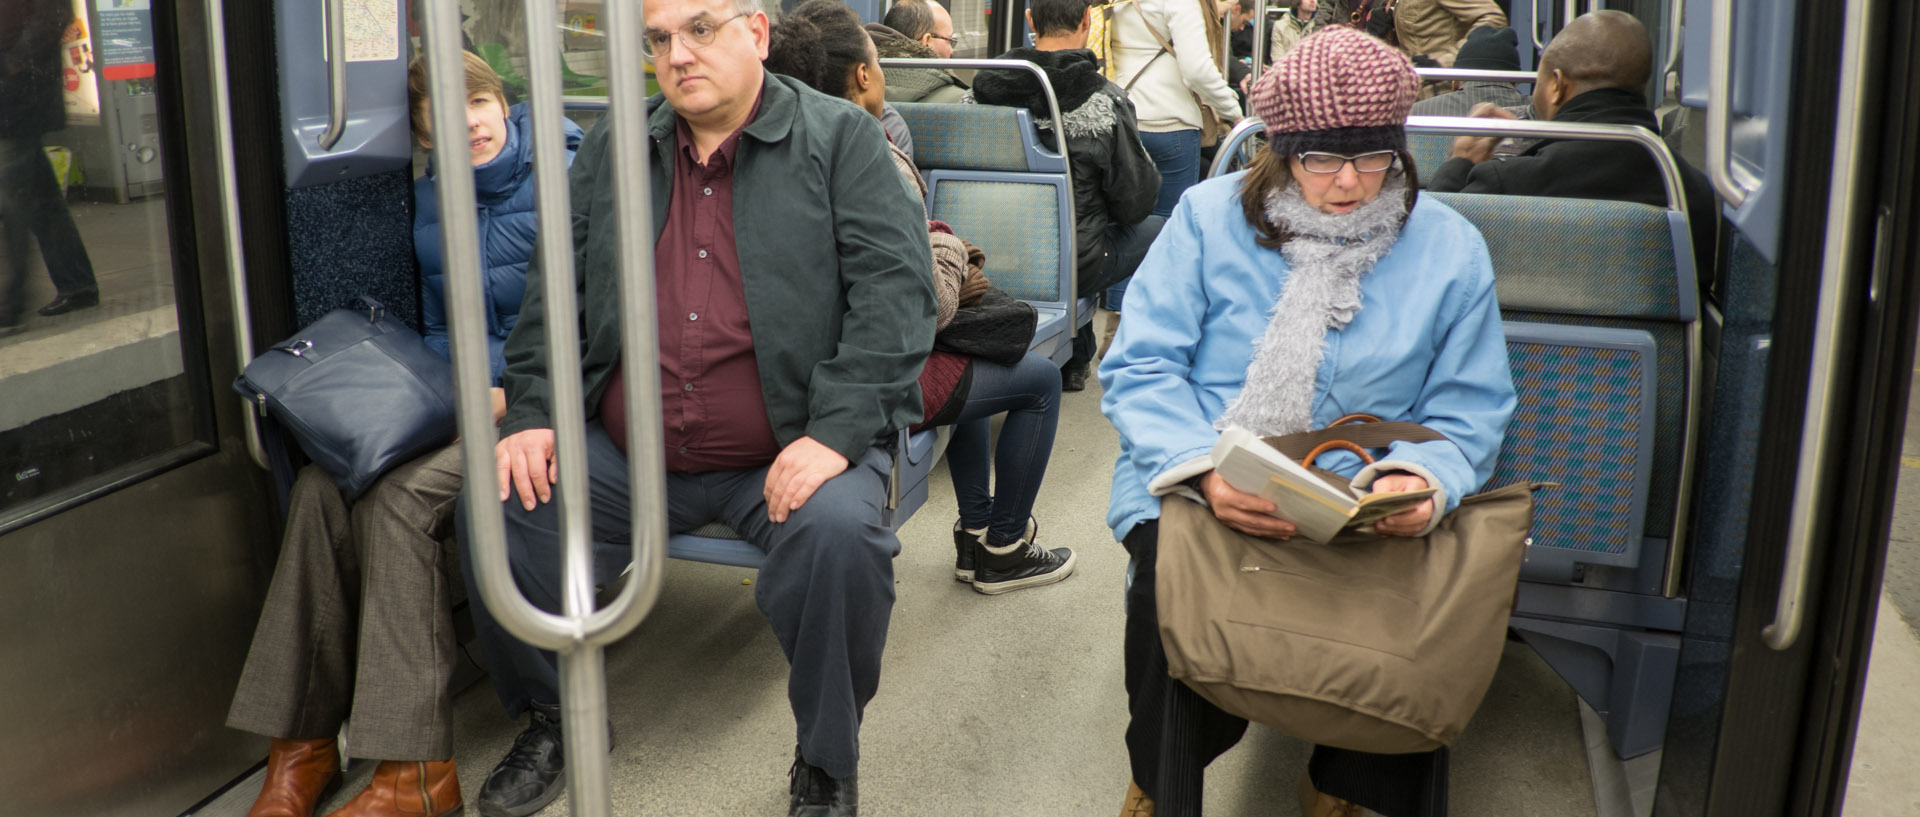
<point x="1028" y="392"/>
<point x="1127" y="246"/>
<point x="1177" y="154"/>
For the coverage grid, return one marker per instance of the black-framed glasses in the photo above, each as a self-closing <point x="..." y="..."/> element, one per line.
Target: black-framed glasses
<point x="696" y="35"/>
<point x="1375" y="162"/>
<point x="952" y="41"/>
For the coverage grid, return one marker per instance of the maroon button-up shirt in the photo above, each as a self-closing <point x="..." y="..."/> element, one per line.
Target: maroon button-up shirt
<point x="716" y="417"/>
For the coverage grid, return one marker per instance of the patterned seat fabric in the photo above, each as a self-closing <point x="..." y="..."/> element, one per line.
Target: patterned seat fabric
<point x="1580" y="422"/>
<point x="1017" y="224"/>
<point x="1580" y="257"/>
<point x="965" y="137"/>
<point x="1430" y="150"/>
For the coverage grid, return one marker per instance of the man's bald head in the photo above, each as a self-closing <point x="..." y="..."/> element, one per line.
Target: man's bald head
<point x="1603" y="49"/>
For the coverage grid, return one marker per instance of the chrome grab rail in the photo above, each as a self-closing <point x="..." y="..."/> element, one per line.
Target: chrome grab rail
<point x="1673" y="39"/>
<point x="579" y="632"/>
<point x="232" y="250"/>
<point x="1829" y="349"/>
<point x="1534" y="29"/>
<point x="1072" y="295"/>
<point x="1262" y="32"/>
<point x="1719" y="106"/>
<point x="336" y="74"/>
<point x="1474" y="75"/>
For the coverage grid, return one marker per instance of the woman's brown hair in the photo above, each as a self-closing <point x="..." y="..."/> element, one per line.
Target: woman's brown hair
<point x="1269" y="174"/>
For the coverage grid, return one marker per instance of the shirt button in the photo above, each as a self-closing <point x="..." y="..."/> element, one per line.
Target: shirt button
<point x="683" y="449"/>
<point x="709" y="191"/>
<point x="693" y="316"/>
<point x="689" y="387"/>
<point x="703" y="253"/>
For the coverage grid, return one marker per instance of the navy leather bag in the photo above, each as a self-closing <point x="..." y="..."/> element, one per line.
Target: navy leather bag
<point x="359" y="390"/>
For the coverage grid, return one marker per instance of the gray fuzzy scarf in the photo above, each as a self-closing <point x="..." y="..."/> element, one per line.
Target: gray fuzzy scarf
<point x="1326" y="259"/>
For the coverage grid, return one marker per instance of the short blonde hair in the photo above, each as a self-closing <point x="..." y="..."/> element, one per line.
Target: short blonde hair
<point x="480" y="80"/>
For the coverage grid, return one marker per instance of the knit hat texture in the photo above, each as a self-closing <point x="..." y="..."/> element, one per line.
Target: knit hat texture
<point x="1489" y="49"/>
<point x="1340" y="90"/>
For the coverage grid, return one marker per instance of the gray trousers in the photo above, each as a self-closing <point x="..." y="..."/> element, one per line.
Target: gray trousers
<point x="357" y="625"/>
<point x="826" y="586"/>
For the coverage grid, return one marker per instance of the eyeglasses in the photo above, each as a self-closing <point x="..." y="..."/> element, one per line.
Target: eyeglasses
<point x="697" y="34"/>
<point x="1374" y="162"/>
<point x="953" y="40"/>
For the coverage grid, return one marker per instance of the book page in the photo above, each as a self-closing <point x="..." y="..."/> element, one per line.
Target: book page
<point x="1375" y="507"/>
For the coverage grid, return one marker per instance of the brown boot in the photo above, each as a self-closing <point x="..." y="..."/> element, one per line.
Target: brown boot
<point x="300" y="773"/>
<point x="1138" y="804"/>
<point x="407" y="788"/>
<point x="1314" y="803"/>
<point x="1106" y="335"/>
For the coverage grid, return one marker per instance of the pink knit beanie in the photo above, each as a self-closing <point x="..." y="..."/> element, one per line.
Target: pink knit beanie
<point x="1340" y="90"/>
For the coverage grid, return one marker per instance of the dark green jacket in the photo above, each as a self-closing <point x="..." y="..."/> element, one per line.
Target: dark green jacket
<point x="833" y="256"/>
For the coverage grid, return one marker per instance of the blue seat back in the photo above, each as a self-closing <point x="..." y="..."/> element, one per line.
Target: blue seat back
<point x="1430" y="150"/>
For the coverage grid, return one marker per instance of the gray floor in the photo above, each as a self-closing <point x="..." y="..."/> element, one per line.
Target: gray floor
<point x="1010" y="705"/>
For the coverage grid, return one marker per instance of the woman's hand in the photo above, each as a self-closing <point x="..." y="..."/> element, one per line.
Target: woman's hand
<point x="1409" y="522"/>
<point x="1243" y="512"/>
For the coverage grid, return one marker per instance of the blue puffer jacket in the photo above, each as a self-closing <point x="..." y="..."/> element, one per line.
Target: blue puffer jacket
<point x="507" y="229"/>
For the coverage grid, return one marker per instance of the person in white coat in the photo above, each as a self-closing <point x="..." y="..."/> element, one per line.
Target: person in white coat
<point x="1162" y="56"/>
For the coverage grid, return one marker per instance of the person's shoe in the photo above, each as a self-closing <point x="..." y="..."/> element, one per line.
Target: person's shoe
<point x="532" y="773"/>
<point x="1106" y="335"/>
<point x="300" y="774"/>
<point x="1023" y="564"/>
<point x="69" y="301"/>
<point x="407" y="788"/>
<point x="1137" y="804"/>
<point x="1314" y="803"/>
<point x="1073" y="378"/>
<point x="814" y="793"/>
<point x="963" y="542"/>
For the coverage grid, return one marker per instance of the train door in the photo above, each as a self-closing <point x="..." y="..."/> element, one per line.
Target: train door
<point x="1815" y="157"/>
<point x="132" y="518"/>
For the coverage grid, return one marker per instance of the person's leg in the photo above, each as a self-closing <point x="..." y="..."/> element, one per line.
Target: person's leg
<point x="298" y="677"/>
<point x="1177" y="155"/>
<point x="15" y="251"/>
<point x="401" y="710"/>
<point x="1394" y="785"/>
<point x="60" y="243"/>
<point x="1029" y="394"/>
<point x="969" y="464"/>
<point x="1173" y="733"/>
<point x="827" y="589"/>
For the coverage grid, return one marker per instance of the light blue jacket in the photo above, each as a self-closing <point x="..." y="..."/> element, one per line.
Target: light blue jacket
<point x="1425" y="347"/>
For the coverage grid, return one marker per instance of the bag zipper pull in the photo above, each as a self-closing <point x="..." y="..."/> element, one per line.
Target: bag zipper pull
<point x="260" y="404"/>
<point x="1249" y="568"/>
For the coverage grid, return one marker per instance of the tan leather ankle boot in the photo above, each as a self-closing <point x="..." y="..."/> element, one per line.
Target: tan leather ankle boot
<point x="1137" y="804"/>
<point x="300" y="773"/>
<point x="407" y="788"/>
<point x="1314" y="803"/>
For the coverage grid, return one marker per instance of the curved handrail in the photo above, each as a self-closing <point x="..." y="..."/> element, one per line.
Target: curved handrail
<point x="1672" y="63"/>
<point x="578" y="632"/>
<point x="336" y="74"/>
<point x="1072" y="295"/>
<point x="1670" y="176"/>
<point x="1817" y="442"/>
<point x="232" y="250"/>
<point x="1719" y="102"/>
<point x="1474" y="75"/>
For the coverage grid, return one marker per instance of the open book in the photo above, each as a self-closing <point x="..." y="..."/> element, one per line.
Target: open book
<point x="1320" y="509"/>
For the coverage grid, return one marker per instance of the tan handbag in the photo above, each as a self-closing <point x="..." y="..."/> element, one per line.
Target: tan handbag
<point x="1376" y="644"/>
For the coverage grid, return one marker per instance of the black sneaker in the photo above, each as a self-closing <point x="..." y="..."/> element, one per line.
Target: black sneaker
<point x="813" y="793"/>
<point x="533" y="772"/>
<point x="963" y="542"/>
<point x="1028" y="565"/>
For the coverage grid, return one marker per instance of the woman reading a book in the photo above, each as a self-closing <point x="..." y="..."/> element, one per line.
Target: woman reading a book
<point x="1314" y="285"/>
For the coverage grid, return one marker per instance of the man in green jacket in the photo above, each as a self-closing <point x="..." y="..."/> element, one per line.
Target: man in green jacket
<point x="795" y="311"/>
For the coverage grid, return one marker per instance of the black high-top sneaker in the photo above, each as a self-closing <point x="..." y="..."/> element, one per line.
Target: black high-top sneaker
<point x="1022" y="564"/>
<point x="814" y="793"/>
<point x="963" y="544"/>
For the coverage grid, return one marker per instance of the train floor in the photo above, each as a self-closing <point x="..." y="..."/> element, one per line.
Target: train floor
<point x="1008" y="705"/>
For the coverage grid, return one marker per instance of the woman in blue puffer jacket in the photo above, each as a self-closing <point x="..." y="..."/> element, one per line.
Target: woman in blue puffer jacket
<point x="356" y="626"/>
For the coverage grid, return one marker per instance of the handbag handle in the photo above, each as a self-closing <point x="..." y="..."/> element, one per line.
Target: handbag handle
<point x="1330" y="445"/>
<point x="1354" y="418"/>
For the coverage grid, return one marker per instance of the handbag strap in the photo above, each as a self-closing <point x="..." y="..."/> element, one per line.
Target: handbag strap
<point x="1367" y="433"/>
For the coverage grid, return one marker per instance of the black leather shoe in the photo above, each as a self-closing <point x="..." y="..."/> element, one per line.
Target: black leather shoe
<point x="533" y="772"/>
<point x="814" y="793"/>
<point x="1073" y="378"/>
<point x="69" y="301"/>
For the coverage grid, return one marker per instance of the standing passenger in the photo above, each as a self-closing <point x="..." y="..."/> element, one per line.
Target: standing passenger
<point x="1163" y="59"/>
<point x="356" y="625"/>
<point x="31" y="202"/>
<point x="795" y="313"/>
<point x="1310" y="286"/>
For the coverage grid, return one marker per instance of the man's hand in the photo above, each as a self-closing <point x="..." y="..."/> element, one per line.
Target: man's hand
<point x="525" y="464"/>
<point x="1243" y="512"/>
<point x="802" y="467"/>
<point x="1478" y="149"/>
<point x="1409" y="522"/>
